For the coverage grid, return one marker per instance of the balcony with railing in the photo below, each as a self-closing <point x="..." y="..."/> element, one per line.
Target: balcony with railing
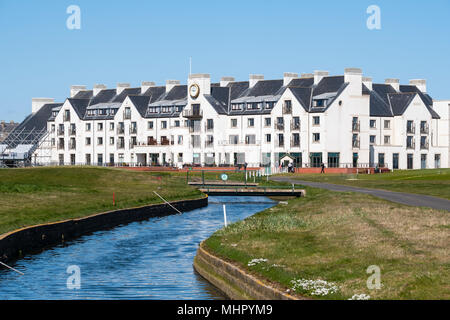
<point x="287" y="108"/>
<point x="356" y="127"/>
<point x="424" y="128"/>
<point x="295" y="126"/>
<point x="356" y="143"/>
<point x="66" y="116"/>
<point x="120" y="144"/>
<point x="279" y="143"/>
<point x="60" y="131"/>
<point x="193" y="114"/>
<point x="424" y="145"/>
<point x="60" y="145"/>
<point x="133" y="130"/>
<point x="295" y="143"/>
<point x="279" y="126"/>
<point x="410" y="144"/>
<point x="120" y="130"/>
<point x="72" y="131"/>
<point x="411" y="128"/>
<point x="72" y="145"/>
<point x="127" y="114"/>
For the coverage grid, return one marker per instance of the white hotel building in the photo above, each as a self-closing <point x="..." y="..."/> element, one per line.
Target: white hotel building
<point x="342" y="121"/>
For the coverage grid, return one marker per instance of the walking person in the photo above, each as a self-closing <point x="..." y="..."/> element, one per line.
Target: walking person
<point x="323" y="168"/>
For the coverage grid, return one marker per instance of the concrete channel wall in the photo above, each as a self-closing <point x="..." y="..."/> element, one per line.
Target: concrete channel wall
<point x="31" y="239"/>
<point x="234" y="282"/>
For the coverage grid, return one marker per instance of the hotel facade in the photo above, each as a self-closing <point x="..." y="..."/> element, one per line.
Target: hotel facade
<point x="343" y="121"/>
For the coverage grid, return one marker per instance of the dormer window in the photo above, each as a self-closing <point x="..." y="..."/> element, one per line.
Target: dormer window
<point x="236" y="106"/>
<point x="320" y="103"/>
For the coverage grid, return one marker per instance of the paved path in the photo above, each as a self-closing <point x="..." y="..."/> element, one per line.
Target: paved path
<point x="400" y="197"/>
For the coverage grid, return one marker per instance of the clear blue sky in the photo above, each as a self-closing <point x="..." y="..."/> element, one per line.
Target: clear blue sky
<point x="134" y="41"/>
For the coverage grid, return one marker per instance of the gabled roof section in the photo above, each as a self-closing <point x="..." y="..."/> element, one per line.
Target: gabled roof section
<point x="84" y="94"/>
<point x="329" y="84"/>
<point x="378" y="107"/>
<point x="301" y="82"/>
<point x="237" y="89"/>
<point x="103" y="96"/>
<point x="154" y="93"/>
<point x="382" y="90"/>
<point x="79" y="105"/>
<point x="219" y="99"/>
<point x="264" y="88"/>
<point x="126" y="92"/>
<point x="303" y="95"/>
<point x="178" y="92"/>
<point x="400" y="101"/>
<point x="140" y="102"/>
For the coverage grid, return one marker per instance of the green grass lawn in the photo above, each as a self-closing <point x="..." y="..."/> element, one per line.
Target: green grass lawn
<point x="336" y="237"/>
<point x="435" y="182"/>
<point x="39" y="195"/>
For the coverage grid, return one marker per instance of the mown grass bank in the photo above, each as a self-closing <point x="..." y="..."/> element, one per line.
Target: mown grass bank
<point x="336" y="237"/>
<point x="41" y="195"/>
<point x="432" y="182"/>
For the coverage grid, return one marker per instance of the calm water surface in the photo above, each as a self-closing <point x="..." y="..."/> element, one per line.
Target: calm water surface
<point x="143" y="260"/>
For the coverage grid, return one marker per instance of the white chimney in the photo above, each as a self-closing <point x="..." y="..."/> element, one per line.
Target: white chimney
<point x="318" y="76"/>
<point x="225" y="81"/>
<point x="254" y="78"/>
<point x="122" y="86"/>
<point x="395" y="83"/>
<point x="288" y="77"/>
<point x="353" y="76"/>
<point x="203" y="80"/>
<point x="145" y="85"/>
<point x="368" y="82"/>
<point x="307" y="75"/>
<point x="75" y="89"/>
<point x="38" y="103"/>
<point x="419" y="83"/>
<point x="97" y="88"/>
<point x="171" y="83"/>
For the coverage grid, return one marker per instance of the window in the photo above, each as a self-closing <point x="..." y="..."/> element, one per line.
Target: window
<point x="372" y="139"/>
<point x="88" y="159"/>
<point x="387" y="139"/>
<point x="150" y="125"/>
<point x="316" y="121"/>
<point x="180" y="139"/>
<point x="163" y="124"/>
<point x="88" y="141"/>
<point x="111" y="126"/>
<point x="209" y="124"/>
<point x="333" y="159"/>
<point x="387" y="124"/>
<point x="251" y="122"/>
<point x="410" y="126"/>
<point x="177" y="123"/>
<point x="99" y="126"/>
<point x="234" y="123"/>
<point x="295" y="140"/>
<point x="410" y="142"/>
<point x="111" y="141"/>
<point x="53" y="128"/>
<point x="381" y="160"/>
<point x="234" y="139"/>
<point x="88" y="127"/>
<point x="100" y="159"/>
<point x="437" y="161"/>
<point x="100" y="141"/>
<point x="267" y="122"/>
<point x="316" y="137"/>
<point x="250" y="139"/>
<point x="409" y="163"/>
<point x="373" y="124"/>
<point x="127" y="113"/>
<point x="268" y="138"/>
<point x="395" y="157"/>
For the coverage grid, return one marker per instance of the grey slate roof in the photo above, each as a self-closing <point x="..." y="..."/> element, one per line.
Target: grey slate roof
<point x="79" y="105"/>
<point x="141" y="103"/>
<point x="126" y="92"/>
<point x="106" y="95"/>
<point x="84" y="94"/>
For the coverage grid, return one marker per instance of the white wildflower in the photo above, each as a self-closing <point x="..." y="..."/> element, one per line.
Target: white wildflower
<point x="254" y="262"/>
<point x="361" y="296"/>
<point x="315" y="287"/>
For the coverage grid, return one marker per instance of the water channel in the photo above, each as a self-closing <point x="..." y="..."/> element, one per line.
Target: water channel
<point x="143" y="260"/>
